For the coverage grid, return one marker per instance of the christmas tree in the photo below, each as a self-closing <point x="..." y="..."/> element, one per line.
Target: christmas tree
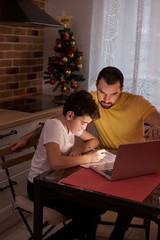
<point x="66" y="61"/>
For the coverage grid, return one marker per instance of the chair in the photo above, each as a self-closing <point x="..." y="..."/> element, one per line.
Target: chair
<point x="23" y="203"/>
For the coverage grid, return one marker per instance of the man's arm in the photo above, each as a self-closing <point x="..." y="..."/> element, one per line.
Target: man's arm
<point x="19" y="143"/>
<point x="154" y="131"/>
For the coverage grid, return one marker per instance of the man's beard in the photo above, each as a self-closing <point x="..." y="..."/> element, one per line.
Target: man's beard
<point x="106" y="107"/>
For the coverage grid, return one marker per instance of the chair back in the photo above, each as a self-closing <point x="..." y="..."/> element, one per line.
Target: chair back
<point x="13" y="161"/>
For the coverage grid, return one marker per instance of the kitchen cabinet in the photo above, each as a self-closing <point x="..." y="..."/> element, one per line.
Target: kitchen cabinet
<point x="25" y="124"/>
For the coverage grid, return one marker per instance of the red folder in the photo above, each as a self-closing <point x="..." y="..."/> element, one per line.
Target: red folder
<point x="137" y="188"/>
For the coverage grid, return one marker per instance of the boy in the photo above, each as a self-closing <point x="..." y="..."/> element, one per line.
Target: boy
<point x="54" y="151"/>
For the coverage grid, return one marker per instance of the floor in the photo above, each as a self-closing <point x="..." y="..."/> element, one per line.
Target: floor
<point x="18" y="232"/>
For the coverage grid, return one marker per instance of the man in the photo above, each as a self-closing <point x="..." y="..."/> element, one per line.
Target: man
<point x="122" y="114"/>
<point x="122" y="121"/>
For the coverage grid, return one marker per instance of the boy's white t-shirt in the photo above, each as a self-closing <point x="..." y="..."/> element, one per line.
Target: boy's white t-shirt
<point x="53" y="131"/>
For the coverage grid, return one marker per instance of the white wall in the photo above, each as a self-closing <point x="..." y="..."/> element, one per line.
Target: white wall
<point x="81" y="27"/>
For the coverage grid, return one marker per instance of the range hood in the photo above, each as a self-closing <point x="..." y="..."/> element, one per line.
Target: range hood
<point x="24" y="13"/>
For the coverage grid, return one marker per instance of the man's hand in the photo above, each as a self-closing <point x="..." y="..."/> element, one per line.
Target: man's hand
<point x="153" y="133"/>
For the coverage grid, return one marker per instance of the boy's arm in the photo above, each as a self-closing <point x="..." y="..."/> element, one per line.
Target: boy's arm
<point x="89" y="141"/>
<point x="57" y="161"/>
<point x="19" y="143"/>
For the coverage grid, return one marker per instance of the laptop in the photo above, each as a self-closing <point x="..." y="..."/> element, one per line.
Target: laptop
<point x="132" y="160"/>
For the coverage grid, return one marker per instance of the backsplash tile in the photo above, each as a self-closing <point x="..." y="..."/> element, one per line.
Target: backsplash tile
<point x="21" y="60"/>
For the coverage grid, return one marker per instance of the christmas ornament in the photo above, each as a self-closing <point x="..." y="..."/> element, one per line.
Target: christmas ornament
<point x="77" y="62"/>
<point x="63" y="88"/>
<point x="73" y="83"/>
<point x="66" y="36"/>
<point x="60" y="62"/>
<point x="64" y="59"/>
<point x="54" y="58"/>
<point x="62" y="79"/>
<point x="73" y="43"/>
<point x="68" y="72"/>
<point x="70" y="54"/>
<point x="79" y="66"/>
<point x="50" y="70"/>
<point x="73" y="49"/>
<point x="64" y="19"/>
<point x="80" y="53"/>
<point x="59" y="45"/>
<point x="52" y="81"/>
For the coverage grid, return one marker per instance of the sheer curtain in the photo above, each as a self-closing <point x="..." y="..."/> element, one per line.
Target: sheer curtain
<point x="126" y="34"/>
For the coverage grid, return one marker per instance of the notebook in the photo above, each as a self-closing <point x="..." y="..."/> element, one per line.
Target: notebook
<point x="132" y="160"/>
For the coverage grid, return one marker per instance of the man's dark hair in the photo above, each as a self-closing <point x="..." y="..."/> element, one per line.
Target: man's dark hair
<point x="81" y="103"/>
<point x="111" y="75"/>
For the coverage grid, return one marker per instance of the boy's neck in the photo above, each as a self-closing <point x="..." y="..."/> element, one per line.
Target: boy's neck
<point x="63" y="121"/>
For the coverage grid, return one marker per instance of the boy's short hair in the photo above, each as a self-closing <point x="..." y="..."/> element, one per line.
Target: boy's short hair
<point x="81" y="103"/>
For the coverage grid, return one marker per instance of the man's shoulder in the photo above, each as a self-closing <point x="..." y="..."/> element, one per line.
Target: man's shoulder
<point x="94" y="95"/>
<point x="131" y="95"/>
<point x="136" y="100"/>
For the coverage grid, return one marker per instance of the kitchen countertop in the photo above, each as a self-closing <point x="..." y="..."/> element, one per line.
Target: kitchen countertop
<point x="11" y="118"/>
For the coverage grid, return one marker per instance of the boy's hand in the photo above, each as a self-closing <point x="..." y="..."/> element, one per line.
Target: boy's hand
<point x="17" y="144"/>
<point x="96" y="155"/>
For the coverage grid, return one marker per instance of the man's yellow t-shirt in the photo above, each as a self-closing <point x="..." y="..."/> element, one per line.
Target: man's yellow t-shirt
<point x="123" y="122"/>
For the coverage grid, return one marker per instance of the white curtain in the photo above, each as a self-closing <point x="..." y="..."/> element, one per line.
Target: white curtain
<point x="126" y="34"/>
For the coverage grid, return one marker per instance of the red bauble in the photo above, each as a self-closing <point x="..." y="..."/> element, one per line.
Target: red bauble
<point x="80" y="53"/>
<point x="66" y="37"/>
<point x="77" y="62"/>
<point x="73" y="86"/>
<point x="58" y="41"/>
<point x="54" y="58"/>
<point x="52" y="81"/>
<point x="62" y="79"/>
<point x="73" y="83"/>
<point x="62" y="54"/>
<point x="73" y="49"/>
<point x="50" y="70"/>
